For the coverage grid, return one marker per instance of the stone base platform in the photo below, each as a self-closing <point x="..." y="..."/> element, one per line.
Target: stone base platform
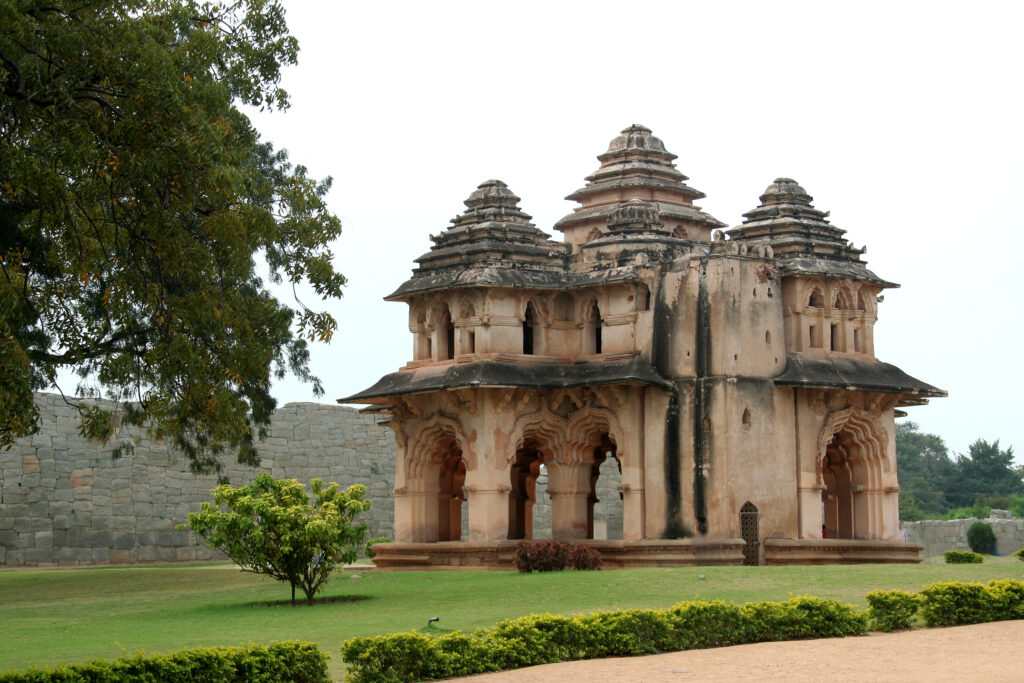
<point x="838" y="551"/>
<point x="614" y="554"/>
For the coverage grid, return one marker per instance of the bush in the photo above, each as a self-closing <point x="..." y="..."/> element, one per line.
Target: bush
<point x="802" y="617"/>
<point x="700" y="624"/>
<point x="949" y="603"/>
<point x="1020" y="554"/>
<point x="547" y="556"/>
<point x="548" y="638"/>
<point x="368" y="550"/>
<point x="892" y="610"/>
<point x="1007" y="596"/>
<point x="583" y="557"/>
<point x="981" y="538"/>
<point x="289" y="661"/>
<point x="963" y="557"/>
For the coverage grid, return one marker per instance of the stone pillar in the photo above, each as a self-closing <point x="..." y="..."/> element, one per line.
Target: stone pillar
<point x="569" y="488"/>
<point x="632" y="512"/>
<point x="403" y="515"/>
<point x="810" y="508"/>
<point x="488" y="512"/>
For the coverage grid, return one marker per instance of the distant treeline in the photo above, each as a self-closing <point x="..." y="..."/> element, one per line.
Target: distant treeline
<point x="934" y="485"/>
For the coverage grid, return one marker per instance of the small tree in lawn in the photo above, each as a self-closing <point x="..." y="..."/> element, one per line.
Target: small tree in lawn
<point x="272" y="527"/>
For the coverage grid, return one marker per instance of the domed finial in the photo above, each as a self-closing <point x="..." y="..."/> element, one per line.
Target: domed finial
<point x="492" y="193"/>
<point x="635" y="129"/>
<point x="785" y="190"/>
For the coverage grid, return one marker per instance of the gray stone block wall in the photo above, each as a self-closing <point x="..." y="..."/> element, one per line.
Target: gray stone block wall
<point x="65" y="500"/>
<point x="938" y="536"/>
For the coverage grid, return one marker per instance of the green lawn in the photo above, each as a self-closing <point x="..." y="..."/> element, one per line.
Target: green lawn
<point x="68" y="615"/>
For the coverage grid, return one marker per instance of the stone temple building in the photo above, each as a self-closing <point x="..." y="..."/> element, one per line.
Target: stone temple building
<point x="725" y="380"/>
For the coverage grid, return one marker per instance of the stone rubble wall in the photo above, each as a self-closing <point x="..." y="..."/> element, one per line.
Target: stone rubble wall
<point x="65" y="500"/>
<point x="938" y="536"/>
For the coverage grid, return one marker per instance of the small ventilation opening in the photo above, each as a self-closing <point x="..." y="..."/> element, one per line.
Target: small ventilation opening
<point x="746" y="418"/>
<point x="834" y="334"/>
<point x="529" y="320"/>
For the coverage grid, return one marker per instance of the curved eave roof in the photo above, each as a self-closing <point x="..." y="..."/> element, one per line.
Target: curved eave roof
<point x="813" y="372"/>
<point x="501" y="275"/>
<point x="807" y="265"/>
<point x="510" y="375"/>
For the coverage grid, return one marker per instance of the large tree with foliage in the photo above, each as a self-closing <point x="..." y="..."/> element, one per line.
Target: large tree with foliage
<point x="272" y="527"/>
<point x="924" y="469"/>
<point x="985" y="472"/>
<point x="136" y="201"/>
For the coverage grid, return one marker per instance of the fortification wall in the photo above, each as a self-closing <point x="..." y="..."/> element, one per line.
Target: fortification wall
<point x="65" y="500"/>
<point x="938" y="536"/>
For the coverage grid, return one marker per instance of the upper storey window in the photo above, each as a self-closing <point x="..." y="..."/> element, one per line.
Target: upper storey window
<point x="529" y="328"/>
<point x="446" y="336"/>
<point x="594" y="325"/>
<point x="817" y="299"/>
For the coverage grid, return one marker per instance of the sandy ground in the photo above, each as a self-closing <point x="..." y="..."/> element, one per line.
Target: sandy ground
<point x="981" y="652"/>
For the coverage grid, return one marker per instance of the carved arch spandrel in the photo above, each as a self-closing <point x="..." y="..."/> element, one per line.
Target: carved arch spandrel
<point x="422" y="444"/>
<point x="866" y="431"/>
<point x="585" y="423"/>
<point x="544" y="426"/>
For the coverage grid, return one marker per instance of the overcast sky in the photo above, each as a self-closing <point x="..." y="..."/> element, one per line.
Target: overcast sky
<point x="902" y="119"/>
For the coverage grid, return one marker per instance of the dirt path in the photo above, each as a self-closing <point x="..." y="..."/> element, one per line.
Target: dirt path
<point x="982" y="652"/>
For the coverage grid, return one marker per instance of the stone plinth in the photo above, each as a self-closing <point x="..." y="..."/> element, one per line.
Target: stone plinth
<point x="780" y="551"/>
<point x="614" y="554"/>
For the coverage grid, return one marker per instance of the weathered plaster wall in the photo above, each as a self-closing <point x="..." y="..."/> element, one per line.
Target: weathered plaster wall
<point x="65" y="501"/>
<point x="938" y="536"/>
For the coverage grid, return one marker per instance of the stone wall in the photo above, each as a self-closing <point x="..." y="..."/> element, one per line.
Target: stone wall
<point x="66" y="501"/>
<point x="938" y="536"/>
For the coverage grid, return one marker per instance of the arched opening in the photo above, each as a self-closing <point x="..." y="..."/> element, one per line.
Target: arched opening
<point x="594" y="325"/>
<point x="529" y="328"/>
<point x="451" y="494"/>
<point x="817" y="299"/>
<point x="445" y="335"/>
<point x="527" y="468"/>
<point x="838" y="501"/>
<point x="750" y="521"/>
<point x="842" y="302"/>
<point x="604" y="502"/>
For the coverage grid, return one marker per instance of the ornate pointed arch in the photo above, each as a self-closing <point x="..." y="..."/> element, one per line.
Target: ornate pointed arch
<point x="864" y="430"/>
<point x="582" y="426"/>
<point x="544" y="426"/>
<point x="428" y="440"/>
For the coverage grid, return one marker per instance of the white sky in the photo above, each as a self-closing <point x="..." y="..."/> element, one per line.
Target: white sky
<point x="903" y="119"/>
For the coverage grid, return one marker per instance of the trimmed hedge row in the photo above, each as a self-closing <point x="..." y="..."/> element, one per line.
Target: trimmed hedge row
<point x="948" y="603"/>
<point x="290" y="661"/>
<point x="963" y="557"/>
<point x="547" y="638"/>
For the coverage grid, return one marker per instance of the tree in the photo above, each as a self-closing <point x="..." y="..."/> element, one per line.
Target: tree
<point x="136" y="201"/>
<point x="986" y="471"/>
<point x="271" y="527"/>
<point x="925" y="469"/>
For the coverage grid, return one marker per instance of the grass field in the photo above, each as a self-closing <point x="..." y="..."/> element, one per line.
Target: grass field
<point x="67" y="615"/>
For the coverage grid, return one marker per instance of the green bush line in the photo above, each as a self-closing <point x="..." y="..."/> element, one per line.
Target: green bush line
<point x="963" y="557"/>
<point x="547" y="638"/>
<point x="287" y="661"/>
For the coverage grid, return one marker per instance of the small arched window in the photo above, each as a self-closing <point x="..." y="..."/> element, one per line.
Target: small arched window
<point x="594" y="325"/>
<point x="448" y="325"/>
<point x="817" y="300"/>
<point x="529" y="327"/>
